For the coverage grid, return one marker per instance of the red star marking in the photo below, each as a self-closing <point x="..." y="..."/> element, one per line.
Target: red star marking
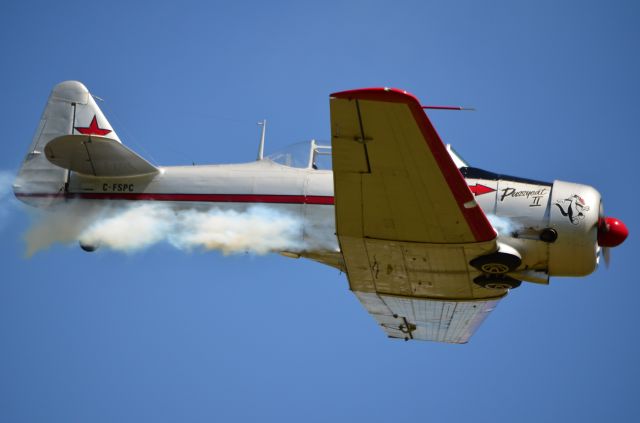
<point x="93" y="128"/>
<point x="479" y="189"/>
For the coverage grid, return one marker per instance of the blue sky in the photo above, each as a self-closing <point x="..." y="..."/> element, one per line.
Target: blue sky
<point x="165" y="336"/>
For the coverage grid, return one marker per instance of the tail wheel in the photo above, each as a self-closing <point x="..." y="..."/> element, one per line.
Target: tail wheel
<point x="497" y="282"/>
<point x="496" y="263"/>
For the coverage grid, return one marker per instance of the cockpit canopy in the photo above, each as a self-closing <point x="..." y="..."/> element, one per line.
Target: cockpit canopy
<point x="304" y="155"/>
<point x="317" y="155"/>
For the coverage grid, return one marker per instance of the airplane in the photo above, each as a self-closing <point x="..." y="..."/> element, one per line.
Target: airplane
<point x="429" y="244"/>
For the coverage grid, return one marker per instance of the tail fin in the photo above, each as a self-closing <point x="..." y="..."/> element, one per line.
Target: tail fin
<point x="70" y="110"/>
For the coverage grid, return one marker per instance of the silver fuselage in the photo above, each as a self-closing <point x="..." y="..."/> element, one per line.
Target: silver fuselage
<point x="528" y="206"/>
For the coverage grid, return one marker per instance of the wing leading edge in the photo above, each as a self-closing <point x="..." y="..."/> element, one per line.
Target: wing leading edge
<point x="407" y="223"/>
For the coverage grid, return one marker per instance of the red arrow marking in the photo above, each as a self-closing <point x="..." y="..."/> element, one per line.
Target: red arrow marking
<point x="479" y="189"/>
<point x="93" y="128"/>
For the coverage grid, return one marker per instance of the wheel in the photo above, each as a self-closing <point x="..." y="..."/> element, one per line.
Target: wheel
<point x="496" y="263"/>
<point x="89" y="248"/>
<point x="497" y="282"/>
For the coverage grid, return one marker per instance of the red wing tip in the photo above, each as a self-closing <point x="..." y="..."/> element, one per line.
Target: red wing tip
<point x="378" y="93"/>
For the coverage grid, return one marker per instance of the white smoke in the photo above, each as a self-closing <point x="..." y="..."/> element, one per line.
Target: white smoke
<point x="7" y="200"/>
<point x="62" y="223"/>
<point x="130" y="229"/>
<point x="504" y="225"/>
<point x="258" y="229"/>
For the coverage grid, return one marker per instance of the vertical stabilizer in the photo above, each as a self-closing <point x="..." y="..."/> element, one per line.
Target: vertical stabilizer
<point x="70" y="110"/>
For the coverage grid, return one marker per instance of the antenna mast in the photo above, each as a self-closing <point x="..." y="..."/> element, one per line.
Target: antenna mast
<point x="261" y="146"/>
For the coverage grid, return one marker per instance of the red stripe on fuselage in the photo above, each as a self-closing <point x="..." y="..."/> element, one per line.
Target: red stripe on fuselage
<point x="204" y="198"/>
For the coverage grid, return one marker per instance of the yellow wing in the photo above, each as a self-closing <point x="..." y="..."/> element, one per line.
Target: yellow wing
<point x="407" y="223"/>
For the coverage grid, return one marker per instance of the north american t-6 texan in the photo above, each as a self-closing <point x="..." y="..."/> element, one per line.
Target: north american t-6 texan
<point x="417" y="229"/>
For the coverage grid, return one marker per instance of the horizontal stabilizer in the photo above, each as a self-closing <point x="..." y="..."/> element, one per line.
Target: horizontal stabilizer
<point x="96" y="156"/>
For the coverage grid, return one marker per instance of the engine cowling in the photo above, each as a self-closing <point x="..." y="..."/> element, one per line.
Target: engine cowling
<point x="574" y="213"/>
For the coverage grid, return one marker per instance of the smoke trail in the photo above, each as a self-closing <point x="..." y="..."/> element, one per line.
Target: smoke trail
<point x="503" y="225"/>
<point x="129" y="229"/>
<point x="62" y="223"/>
<point x="257" y="229"/>
<point x="7" y="201"/>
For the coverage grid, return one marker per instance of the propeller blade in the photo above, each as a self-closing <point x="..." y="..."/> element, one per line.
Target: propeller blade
<point x="606" y="253"/>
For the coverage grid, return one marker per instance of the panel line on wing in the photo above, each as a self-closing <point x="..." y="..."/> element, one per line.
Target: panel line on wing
<point x="363" y="139"/>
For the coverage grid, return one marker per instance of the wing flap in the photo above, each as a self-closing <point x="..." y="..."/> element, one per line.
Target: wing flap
<point x="96" y="156"/>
